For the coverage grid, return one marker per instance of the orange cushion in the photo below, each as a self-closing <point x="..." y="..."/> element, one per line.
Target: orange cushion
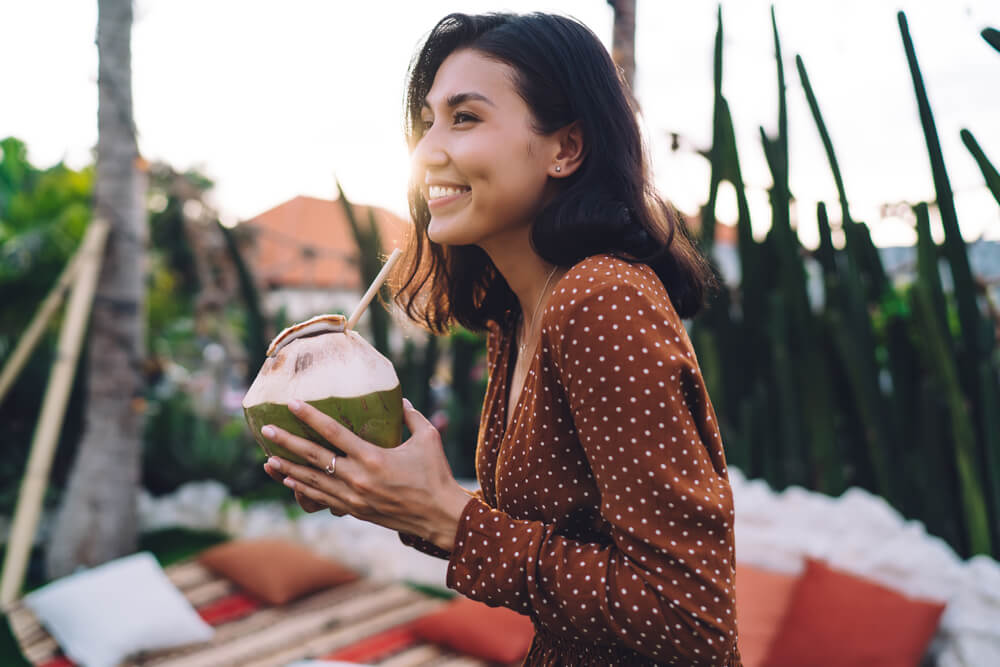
<point x="277" y="571"/>
<point x="837" y="619"/>
<point x="762" y="598"/>
<point x="496" y="634"/>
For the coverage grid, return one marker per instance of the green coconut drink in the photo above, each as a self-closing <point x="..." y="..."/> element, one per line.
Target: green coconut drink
<point x="324" y="363"/>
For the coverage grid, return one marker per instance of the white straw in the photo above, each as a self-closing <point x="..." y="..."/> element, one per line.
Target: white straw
<point x="373" y="290"/>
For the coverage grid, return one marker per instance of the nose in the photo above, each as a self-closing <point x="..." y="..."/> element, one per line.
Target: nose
<point x="428" y="153"/>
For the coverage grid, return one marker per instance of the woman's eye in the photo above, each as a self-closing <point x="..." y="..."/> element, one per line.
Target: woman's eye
<point x="459" y="118"/>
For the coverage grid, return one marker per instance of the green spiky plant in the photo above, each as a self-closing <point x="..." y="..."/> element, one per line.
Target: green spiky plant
<point x="881" y="386"/>
<point x="992" y="37"/>
<point x="255" y="336"/>
<point x="371" y="256"/>
<point x="990" y="173"/>
<point x="976" y="376"/>
<point x="854" y="280"/>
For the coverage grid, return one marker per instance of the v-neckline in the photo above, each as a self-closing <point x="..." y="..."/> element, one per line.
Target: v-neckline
<point x="509" y="413"/>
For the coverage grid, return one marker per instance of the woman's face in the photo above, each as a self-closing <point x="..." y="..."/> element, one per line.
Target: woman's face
<point x="482" y="168"/>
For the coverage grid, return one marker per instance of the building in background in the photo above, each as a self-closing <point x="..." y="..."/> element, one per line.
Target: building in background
<point x="305" y="257"/>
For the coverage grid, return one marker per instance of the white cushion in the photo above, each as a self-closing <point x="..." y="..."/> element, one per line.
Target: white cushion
<point x="102" y="615"/>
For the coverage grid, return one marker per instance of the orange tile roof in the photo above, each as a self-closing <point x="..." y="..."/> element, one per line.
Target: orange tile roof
<point x="308" y="242"/>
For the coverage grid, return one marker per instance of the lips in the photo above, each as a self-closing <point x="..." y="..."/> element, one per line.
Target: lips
<point x="439" y="191"/>
<point x="439" y="195"/>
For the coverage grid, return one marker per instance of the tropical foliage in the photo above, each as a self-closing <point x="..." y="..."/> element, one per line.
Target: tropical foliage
<point x="892" y="388"/>
<point x="43" y="215"/>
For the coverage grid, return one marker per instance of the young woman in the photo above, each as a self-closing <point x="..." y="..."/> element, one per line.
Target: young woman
<point x="605" y="512"/>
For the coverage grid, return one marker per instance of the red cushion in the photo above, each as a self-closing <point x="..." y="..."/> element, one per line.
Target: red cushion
<point x="275" y="570"/>
<point x="762" y="599"/>
<point x="472" y="628"/>
<point x="837" y="619"/>
<point x="377" y="647"/>
<point x="230" y="608"/>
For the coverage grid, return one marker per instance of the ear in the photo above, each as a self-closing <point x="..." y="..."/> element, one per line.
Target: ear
<point x="569" y="150"/>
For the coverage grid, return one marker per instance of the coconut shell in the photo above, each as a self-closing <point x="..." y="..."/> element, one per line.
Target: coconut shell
<point x="337" y="372"/>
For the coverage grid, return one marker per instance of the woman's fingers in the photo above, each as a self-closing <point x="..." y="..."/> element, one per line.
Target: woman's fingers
<point x="396" y="488"/>
<point x="314" y="488"/>
<point x="318" y="456"/>
<point x="332" y="431"/>
<point x="307" y="504"/>
<point x="272" y="473"/>
<point x="306" y="494"/>
<point x="317" y="485"/>
<point x="304" y="502"/>
<point x="415" y="421"/>
<point x="308" y="475"/>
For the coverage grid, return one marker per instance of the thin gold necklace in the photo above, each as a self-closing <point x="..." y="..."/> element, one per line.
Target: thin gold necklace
<point x="527" y="328"/>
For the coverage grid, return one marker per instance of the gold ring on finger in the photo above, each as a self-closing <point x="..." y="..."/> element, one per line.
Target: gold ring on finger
<point x="331" y="467"/>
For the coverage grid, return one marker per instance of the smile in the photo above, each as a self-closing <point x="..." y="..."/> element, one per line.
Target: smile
<point x="439" y="195"/>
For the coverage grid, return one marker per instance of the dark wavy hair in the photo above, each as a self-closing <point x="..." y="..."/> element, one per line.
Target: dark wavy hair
<point x="608" y="205"/>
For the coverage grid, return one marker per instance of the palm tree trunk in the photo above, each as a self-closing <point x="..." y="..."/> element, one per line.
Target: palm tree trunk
<point x="97" y="519"/>
<point x="623" y="40"/>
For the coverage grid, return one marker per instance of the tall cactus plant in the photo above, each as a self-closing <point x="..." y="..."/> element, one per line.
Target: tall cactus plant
<point x="990" y="173"/>
<point x="858" y="241"/>
<point x="868" y="387"/>
<point x="811" y="396"/>
<point x="854" y="279"/>
<point x="370" y="258"/>
<point x="954" y="245"/>
<point x="992" y="37"/>
<point x="931" y="337"/>
<point x="975" y="347"/>
<point x="255" y="336"/>
<point x="717" y="163"/>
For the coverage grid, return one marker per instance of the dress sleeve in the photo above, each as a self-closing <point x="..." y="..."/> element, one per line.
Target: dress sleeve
<point x="430" y="548"/>
<point x="663" y="585"/>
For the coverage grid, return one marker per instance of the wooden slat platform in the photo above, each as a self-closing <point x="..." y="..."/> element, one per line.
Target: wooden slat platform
<point x="366" y="620"/>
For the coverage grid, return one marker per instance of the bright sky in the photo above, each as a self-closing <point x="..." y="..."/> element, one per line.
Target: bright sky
<point x="272" y="99"/>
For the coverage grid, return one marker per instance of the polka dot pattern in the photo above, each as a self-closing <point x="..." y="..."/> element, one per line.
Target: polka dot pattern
<point x="605" y="511"/>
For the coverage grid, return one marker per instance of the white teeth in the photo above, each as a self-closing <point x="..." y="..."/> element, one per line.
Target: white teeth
<point x="438" y="191"/>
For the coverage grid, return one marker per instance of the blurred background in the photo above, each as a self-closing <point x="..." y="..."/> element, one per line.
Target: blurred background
<point x="833" y="159"/>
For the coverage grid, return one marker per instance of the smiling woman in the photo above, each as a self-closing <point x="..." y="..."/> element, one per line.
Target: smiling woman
<point x="605" y="513"/>
<point x="480" y="155"/>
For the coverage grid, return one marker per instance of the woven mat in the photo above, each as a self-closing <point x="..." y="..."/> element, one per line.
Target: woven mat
<point x="366" y="622"/>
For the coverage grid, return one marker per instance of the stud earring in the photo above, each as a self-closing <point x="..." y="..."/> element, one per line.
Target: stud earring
<point x="558" y="169"/>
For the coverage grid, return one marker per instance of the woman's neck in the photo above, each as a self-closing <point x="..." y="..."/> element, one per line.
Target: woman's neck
<point x="524" y="270"/>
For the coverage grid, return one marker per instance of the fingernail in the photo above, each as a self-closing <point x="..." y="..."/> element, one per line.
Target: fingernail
<point x="407" y="404"/>
<point x="274" y="463"/>
<point x="268" y="431"/>
<point x="294" y="405"/>
<point x="289" y="482"/>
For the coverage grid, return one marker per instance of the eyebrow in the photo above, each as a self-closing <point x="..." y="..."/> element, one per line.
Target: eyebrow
<point x="459" y="98"/>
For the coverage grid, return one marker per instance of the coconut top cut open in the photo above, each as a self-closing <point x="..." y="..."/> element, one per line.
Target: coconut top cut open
<point x="312" y="327"/>
<point x="318" y="359"/>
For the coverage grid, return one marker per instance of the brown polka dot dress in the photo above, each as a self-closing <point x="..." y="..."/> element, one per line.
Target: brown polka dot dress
<point x="605" y="512"/>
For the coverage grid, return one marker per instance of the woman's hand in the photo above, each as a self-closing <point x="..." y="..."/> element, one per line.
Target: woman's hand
<point x="408" y="488"/>
<point x="305" y="503"/>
